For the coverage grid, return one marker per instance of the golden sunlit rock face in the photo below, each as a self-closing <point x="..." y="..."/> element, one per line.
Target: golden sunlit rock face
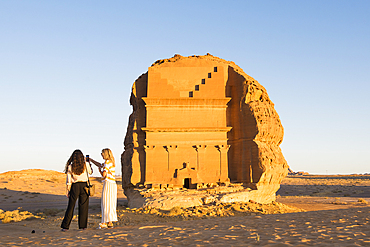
<point x="200" y="122"/>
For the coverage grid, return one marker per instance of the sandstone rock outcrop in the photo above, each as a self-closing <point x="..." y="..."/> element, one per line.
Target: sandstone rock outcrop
<point x="199" y="122"/>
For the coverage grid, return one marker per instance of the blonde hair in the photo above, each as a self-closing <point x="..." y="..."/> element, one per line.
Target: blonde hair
<point x="108" y="155"/>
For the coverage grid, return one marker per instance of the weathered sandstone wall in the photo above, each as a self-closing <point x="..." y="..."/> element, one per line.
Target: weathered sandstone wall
<point x="253" y="128"/>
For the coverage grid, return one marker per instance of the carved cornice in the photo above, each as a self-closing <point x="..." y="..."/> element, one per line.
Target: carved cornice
<point x="216" y="129"/>
<point x="186" y="102"/>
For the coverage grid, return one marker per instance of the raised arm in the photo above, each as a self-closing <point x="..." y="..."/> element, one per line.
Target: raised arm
<point x="95" y="163"/>
<point x="89" y="168"/>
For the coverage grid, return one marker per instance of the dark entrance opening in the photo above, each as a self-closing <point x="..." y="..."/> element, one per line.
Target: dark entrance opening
<point x="187" y="182"/>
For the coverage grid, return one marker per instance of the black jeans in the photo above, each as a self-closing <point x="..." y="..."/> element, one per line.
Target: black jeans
<point x="77" y="192"/>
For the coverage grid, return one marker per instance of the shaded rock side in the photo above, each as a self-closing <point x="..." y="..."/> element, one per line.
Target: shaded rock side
<point x="254" y="157"/>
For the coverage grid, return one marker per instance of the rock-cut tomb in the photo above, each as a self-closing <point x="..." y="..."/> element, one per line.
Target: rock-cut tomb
<point x="200" y="121"/>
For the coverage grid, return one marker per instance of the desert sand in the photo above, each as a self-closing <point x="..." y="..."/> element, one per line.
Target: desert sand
<point x="324" y="210"/>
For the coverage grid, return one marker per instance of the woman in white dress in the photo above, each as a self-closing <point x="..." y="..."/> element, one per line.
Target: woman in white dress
<point x="109" y="194"/>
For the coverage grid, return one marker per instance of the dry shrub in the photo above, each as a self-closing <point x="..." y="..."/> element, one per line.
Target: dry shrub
<point x="15" y="216"/>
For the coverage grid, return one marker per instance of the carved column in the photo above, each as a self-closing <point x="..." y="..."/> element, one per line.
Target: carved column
<point x="200" y="149"/>
<point x="149" y="171"/>
<point x="171" y="153"/>
<point x="223" y="149"/>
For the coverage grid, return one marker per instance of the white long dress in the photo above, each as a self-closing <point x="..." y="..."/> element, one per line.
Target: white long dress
<point x="109" y="194"/>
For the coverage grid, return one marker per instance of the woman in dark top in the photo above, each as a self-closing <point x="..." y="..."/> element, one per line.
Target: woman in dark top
<point x="77" y="170"/>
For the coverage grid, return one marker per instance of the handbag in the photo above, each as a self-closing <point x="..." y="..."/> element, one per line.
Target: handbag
<point x="90" y="189"/>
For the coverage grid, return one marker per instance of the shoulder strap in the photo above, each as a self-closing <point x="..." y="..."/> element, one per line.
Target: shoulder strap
<point x="87" y="173"/>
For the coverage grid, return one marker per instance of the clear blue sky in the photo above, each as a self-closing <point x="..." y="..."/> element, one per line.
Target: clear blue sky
<point x="67" y="67"/>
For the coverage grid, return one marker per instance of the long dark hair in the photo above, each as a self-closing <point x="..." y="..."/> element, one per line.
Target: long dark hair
<point x="77" y="160"/>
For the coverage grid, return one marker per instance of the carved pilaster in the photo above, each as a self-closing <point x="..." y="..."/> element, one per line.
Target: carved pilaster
<point x="200" y="149"/>
<point x="171" y="152"/>
<point x="223" y="149"/>
<point x="150" y="155"/>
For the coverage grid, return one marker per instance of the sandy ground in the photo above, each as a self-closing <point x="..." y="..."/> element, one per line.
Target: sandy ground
<point x="336" y="208"/>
